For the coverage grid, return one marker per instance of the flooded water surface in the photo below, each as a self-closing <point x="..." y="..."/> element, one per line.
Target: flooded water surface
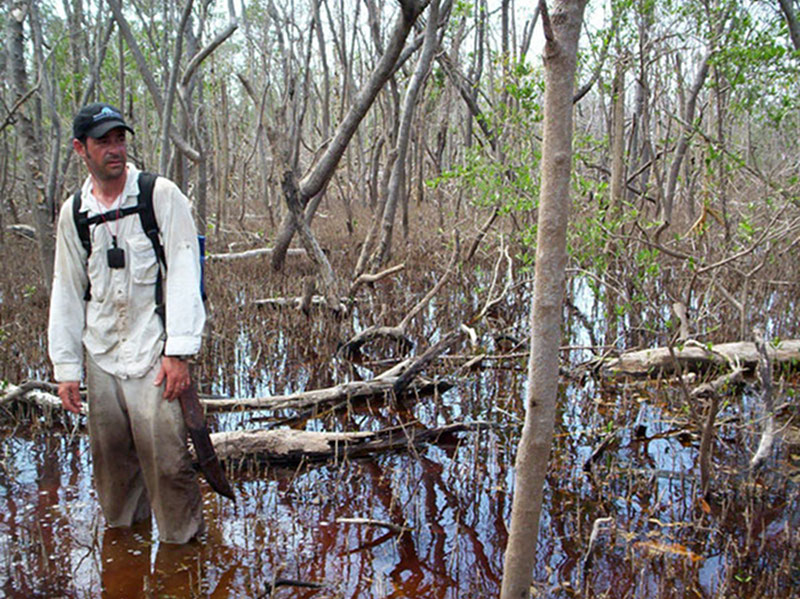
<point x="623" y="514"/>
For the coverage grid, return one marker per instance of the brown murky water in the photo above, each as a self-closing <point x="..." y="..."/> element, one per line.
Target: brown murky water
<point x="448" y="504"/>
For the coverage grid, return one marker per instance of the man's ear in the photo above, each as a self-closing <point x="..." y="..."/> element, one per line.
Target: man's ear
<point x="78" y="147"/>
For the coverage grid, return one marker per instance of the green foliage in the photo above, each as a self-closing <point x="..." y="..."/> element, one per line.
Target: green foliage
<point x="511" y="185"/>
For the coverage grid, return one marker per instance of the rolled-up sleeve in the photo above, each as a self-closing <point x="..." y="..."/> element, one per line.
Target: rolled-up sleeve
<point x="186" y="316"/>
<point x="67" y="306"/>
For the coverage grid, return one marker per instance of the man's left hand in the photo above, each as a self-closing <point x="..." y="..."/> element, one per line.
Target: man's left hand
<point x="176" y="373"/>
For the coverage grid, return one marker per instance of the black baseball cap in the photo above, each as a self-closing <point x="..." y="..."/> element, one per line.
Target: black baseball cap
<point x="97" y="119"/>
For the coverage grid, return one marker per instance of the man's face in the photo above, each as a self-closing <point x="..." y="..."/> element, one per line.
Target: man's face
<point x="106" y="156"/>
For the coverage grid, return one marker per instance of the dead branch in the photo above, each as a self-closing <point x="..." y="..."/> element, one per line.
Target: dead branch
<point x="598" y="451"/>
<point x="436" y="288"/>
<point x="25" y="231"/>
<point x="481" y="234"/>
<point x="588" y="556"/>
<point x="426" y="358"/>
<point x="370" y="522"/>
<point x="490" y="301"/>
<point x="712" y="390"/>
<point x="398" y="332"/>
<point x="37" y="393"/>
<point x="368" y="278"/>
<point x="297" y="301"/>
<point x="376" y="388"/>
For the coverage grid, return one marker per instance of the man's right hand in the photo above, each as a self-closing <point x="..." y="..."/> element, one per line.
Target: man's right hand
<point x="70" y="394"/>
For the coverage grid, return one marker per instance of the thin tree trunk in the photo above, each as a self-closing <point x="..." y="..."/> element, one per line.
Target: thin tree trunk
<point x="787" y="6"/>
<point x="31" y="144"/>
<point x="397" y="184"/>
<point x="315" y="180"/>
<point x="683" y="144"/>
<point x="561" y="34"/>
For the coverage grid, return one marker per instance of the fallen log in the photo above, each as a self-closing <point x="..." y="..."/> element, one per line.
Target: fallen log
<point x="377" y="388"/>
<point x="36" y="393"/>
<point x="288" y="446"/>
<point x="693" y="356"/>
<point x="42" y="394"/>
<point x="252" y="254"/>
<point x="283" y="446"/>
<point x="295" y="302"/>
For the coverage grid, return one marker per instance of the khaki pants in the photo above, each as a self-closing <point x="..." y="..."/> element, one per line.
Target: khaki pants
<point x="139" y="454"/>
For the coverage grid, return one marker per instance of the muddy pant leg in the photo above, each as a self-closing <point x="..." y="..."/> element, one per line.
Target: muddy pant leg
<point x="117" y="475"/>
<point x="160" y="437"/>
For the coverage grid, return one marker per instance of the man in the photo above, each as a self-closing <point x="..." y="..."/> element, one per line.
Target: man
<point x="105" y="301"/>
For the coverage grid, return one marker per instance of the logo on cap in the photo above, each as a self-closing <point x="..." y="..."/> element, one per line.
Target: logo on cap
<point x="105" y="113"/>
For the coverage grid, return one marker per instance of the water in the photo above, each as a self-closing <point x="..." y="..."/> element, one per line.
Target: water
<point x="451" y="500"/>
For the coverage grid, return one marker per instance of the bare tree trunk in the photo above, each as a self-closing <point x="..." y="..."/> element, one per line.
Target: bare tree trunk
<point x="397" y="184"/>
<point x="791" y="20"/>
<point x="315" y="180"/>
<point x="147" y="77"/>
<point x="683" y="144"/>
<point x="31" y="144"/>
<point x="166" y="116"/>
<point x="560" y="52"/>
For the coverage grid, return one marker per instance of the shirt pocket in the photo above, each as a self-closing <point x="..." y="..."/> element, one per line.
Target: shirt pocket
<point x="144" y="265"/>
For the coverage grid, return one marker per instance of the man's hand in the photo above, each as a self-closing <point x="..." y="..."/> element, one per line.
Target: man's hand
<point x="70" y="394"/>
<point x="176" y="373"/>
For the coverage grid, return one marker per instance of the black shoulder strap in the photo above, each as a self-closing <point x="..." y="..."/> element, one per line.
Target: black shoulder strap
<point x="81" y="223"/>
<point x="147" y="216"/>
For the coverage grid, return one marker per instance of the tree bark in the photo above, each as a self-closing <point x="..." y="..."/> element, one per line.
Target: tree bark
<point x="397" y="182"/>
<point x="560" y="56"/>
<point x="31" y="144"/>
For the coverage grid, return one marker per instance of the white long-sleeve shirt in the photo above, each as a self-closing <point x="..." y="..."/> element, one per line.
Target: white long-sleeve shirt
<point x="118" y="325"/>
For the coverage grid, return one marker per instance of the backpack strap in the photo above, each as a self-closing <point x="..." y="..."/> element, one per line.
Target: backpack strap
<point x="147" y="216"/>
<point x="81" y="223"/>
<point x="85" y="236"/>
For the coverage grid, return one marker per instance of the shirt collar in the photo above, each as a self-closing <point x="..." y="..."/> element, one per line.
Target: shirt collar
<point x="128" y="197"/>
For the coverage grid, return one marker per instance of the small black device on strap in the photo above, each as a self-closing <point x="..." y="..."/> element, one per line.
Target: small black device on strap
<point x="147" y="216"/>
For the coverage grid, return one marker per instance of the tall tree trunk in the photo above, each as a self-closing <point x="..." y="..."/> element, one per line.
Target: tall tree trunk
<point x="317" y="178"/>
<point x="397" y="182"/>
<point x="787" y="6"/>
<point x="31" y="144"/>
<point x="561" y="46"/>
<point x="683" y="143"/>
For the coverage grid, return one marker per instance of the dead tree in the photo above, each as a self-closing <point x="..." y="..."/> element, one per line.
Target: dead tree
<point x="397" y="183"/>
<point x="315" y="180"/>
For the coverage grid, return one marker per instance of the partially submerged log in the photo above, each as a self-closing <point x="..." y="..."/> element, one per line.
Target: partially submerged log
<point x="377" y="388"/>
<point x="41" y="394"/>
<point x="283" y="446"/>
<point x="287" y="446"/>
<point x="693" y="356"/>
<point x="380" y="388"/>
